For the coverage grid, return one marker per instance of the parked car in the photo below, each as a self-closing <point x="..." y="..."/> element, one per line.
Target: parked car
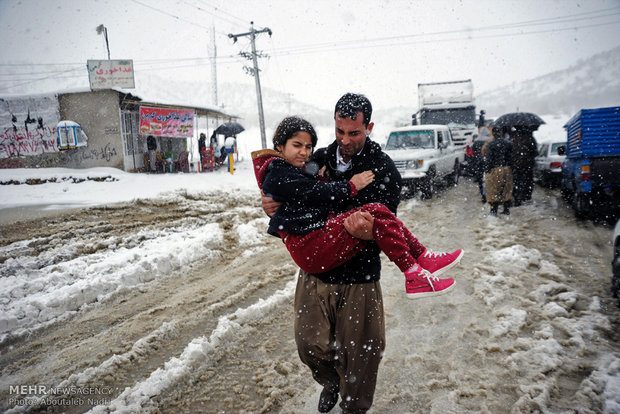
<point x="425" y="154"/>
<point x="615" y="262"/>
<point x="548" y="168"/>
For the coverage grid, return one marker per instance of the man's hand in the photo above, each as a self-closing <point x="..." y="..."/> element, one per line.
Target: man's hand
<point x="361" y="180"/>
<point x="359" y="225"/>
<point x="269" y="206"/>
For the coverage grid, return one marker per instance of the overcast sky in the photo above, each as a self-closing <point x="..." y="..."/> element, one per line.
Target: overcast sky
<point x="319" y="49"/>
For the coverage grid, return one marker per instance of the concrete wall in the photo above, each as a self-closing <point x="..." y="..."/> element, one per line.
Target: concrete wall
<point x="99" y="115"/>
<point x="27" y="127"/>
<point x="29" y="135"/>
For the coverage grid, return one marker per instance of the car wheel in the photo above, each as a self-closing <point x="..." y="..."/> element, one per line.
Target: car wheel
<point x="580" y="205"/>
<point x="452" y="179"/>
<point x="456" y="173"/>
<point x="428" y="185"/>
<point x="567" y="194"/>
<point x="407" y="190"/>
<point x="542" y="180"/>
<point x="615" y="278"/>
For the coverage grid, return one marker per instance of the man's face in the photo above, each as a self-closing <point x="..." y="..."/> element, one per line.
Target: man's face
<point x="351" y="134"/>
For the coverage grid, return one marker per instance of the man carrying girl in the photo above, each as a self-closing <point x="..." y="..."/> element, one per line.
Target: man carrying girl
<point x="315" y="236"/>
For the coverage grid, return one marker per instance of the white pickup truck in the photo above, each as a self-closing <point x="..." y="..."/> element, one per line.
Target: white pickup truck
<point x="424" y="154"/>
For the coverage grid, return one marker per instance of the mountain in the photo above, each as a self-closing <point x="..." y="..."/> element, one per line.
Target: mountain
<point x="593" y="82"/>
<point x="276" y="105"/>
<point x="589" y="83"/>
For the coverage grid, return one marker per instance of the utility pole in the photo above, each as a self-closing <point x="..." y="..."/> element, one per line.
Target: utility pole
<point x="214" y="69"/>
<point x="254" y="72"/>
<point x="288" y="101"/>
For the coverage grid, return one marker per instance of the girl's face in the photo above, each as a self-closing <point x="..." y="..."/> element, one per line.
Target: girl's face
<point x="297" y="149"/>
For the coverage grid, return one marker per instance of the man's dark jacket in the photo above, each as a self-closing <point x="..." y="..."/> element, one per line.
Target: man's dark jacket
<point x="366" y="265"/>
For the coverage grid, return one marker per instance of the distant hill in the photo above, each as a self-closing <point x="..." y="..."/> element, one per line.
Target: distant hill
<point x="592" y="82"/>
<point x="276" y="105"/>
<point x="589" y="83"/>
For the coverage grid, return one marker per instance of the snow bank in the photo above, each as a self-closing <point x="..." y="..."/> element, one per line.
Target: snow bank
<point x="63" y="187"/>
<point x="542" y="337"/>
<point x="36" y="295"/>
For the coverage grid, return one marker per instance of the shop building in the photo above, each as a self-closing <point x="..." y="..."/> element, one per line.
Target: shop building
<point x="114" y="135"/>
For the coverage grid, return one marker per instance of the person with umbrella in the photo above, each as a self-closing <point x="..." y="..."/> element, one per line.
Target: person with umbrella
<point x="230" y="147"/>
<point x="230" y="131"/>
<point x="498" y="155"/>
<point x="525" y="149"/>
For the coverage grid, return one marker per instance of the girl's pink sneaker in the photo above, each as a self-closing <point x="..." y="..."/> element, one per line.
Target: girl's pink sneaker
<point x="438" y="263"/>
<point x="419" y="283"/>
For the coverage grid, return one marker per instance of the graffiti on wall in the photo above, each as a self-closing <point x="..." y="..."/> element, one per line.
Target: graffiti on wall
<point x="86" y="157"/>
<point x="104" y="153"/>
<point x="28" y="125"/>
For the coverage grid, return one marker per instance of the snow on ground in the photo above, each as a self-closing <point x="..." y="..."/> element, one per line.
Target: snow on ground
<point x="539" y="323"/>
<point x="58" y="190"/>
<point x="57" y="289"/>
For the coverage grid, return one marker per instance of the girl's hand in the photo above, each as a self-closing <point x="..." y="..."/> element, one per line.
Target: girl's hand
<point x="362" y="179"/>
<point x="322" y="171"/>
<point x="269" y="205"/>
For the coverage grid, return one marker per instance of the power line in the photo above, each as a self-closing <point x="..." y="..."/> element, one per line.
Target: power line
<point x="29" y="81"/>
<point x="364" y="43"/>
<point x="170" y="15"/>
<point x="177" y="63"/>
<point x="339" y="46"/>
<point x="238" y="19"/>
<point x="369" y="43"/>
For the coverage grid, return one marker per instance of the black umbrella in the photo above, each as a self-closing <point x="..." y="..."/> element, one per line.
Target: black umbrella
<point x="229" y="129"/>
<point x="519" y="119"/>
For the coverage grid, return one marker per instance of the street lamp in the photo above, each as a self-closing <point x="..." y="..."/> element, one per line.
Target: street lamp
<point x="102" y="29"/>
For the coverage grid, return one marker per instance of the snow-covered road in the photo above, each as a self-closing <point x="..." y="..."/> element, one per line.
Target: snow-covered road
<point x="182" y="303"/>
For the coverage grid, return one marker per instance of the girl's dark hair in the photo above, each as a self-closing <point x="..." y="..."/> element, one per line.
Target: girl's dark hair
<point x="290" y="126"/>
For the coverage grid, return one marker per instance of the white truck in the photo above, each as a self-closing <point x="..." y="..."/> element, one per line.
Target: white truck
<point x="423" y="155"/>
<point x="449" y="103"/>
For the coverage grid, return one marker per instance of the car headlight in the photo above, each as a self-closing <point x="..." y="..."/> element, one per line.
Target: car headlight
<point x="415" y="163"/>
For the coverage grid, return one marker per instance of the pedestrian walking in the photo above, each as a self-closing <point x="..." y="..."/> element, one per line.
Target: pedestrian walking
<point x="525" y="150"/>
<point x="498" y="158"/>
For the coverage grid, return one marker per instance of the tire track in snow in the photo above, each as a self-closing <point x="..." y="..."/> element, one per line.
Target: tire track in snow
<point x="199" y="354"/>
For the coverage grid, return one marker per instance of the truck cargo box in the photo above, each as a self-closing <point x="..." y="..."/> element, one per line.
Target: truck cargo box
<point x="591" y="170"/>
<point x="594" y="133"/>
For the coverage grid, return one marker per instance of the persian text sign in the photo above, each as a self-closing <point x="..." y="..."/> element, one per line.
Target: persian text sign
<point x="105" y="74"/>
<point x="166" y="122"/>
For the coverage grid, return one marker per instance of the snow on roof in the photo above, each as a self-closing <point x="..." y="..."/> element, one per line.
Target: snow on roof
<point x="152" y="100"/>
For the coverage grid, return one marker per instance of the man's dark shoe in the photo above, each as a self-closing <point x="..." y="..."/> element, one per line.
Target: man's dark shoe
<point x="327" y="400"/>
